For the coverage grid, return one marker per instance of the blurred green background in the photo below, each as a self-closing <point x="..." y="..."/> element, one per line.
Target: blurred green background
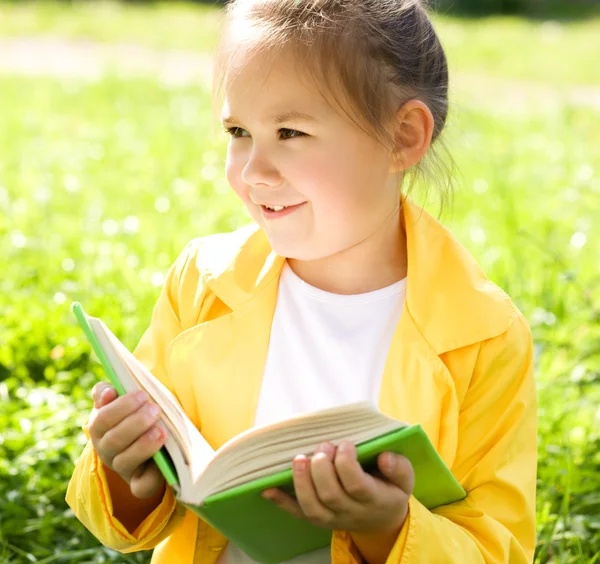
<point x="110" y="162"/>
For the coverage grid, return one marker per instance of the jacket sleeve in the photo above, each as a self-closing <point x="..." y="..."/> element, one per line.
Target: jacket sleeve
<point x="88" y="492"/>
<point x="496" y="464"/>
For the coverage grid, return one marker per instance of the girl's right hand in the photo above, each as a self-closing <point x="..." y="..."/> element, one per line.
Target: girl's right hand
<point x="125" y="434"/>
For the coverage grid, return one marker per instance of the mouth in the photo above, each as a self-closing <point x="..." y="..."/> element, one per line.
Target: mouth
<point x="273" y="212"/>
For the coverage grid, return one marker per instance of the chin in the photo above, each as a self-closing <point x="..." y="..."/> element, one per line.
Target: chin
<point x="295" y="249"/>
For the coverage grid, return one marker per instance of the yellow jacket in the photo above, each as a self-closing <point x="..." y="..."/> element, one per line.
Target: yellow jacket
<point x="460" y="364"/>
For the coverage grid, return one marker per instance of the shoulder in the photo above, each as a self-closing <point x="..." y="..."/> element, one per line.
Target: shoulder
<point x="501" y="359"/>
<point x="203" y="260"/>
<point x="515" y="341"/>
<point x="208" y="256"/>
<point x="452" y="301"/>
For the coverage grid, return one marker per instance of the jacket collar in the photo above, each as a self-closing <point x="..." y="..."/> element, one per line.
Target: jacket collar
<point x="449" y="298"/>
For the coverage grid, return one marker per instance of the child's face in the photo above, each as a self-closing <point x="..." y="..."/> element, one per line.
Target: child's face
<point x="339" y="179"/>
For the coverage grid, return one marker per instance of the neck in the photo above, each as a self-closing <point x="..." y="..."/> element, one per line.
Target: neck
<point x="374" y="263"/>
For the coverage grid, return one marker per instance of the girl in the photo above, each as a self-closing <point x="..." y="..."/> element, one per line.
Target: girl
<point x="345" y="290"/>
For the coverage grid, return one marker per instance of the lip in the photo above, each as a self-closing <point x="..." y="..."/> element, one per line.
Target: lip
<point x="269" y="214"/>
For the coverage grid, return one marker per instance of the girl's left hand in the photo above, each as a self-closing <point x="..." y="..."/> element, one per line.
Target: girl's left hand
<point x="334" y="492"/>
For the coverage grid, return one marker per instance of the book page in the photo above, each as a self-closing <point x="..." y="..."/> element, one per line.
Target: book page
<point x="196" y="451"/>
<point x="257" y="452"/>
<point x="264" y="450"/>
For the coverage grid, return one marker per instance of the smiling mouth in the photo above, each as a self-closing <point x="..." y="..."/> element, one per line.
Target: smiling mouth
<point x="274" y="212"/>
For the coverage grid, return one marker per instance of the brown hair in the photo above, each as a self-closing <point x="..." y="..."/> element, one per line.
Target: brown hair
<point x="377" y="54"/>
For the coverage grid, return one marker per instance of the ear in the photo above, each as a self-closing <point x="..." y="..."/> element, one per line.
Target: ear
<point x="413" y="130"/>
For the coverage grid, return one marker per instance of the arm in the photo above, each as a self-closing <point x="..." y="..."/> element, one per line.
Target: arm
<point x="100" y="503"/>
<point x="495" y="463"/>
<point x="100" y="499"/>
<point x="130" y="510"/>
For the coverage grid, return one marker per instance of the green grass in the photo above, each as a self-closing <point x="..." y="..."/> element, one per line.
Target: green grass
<point x="108" y="21"/>
<point x="101" y="185"/>
<point x="552" y="52"/>
<point x="500" y="46"/>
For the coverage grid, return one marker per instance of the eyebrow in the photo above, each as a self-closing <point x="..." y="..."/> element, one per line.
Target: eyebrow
<point x="279" y="118"/>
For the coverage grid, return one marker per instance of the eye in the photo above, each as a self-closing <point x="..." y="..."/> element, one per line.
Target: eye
<point x="236" y="132"/>
<point x="299" y="133"/>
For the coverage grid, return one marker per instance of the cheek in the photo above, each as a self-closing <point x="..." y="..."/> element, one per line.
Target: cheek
<point x="323" y="179"/>
<point x="337" y="185"/>
<point x="351" y="197"/>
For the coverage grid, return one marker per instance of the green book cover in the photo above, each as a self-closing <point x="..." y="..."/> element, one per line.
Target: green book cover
<point x="262" y="530"/>
<point x="162" y="458"/>
<point x="269" y="535"/>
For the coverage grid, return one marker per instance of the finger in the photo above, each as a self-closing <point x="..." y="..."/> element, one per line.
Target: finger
<point x="111" y="414"/>
<point x="144" y="483"/>
<point x="125" y="433"/>
<point x="359" y="485"/>
<point x="398" y="470"/>
<point x="327" y="485"/>
<point x="145" y="447"/>
<point x="284" y="501"/>
<point x="306" y="493"/>
<point x="109" y="394"/>
<point x="98" y="392"/>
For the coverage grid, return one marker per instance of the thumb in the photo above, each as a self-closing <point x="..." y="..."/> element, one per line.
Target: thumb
<point x="102" y="394"/>
<point x="398" y="470"/>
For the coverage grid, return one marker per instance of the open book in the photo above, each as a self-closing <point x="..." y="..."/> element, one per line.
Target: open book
<point x="223" y="487"/>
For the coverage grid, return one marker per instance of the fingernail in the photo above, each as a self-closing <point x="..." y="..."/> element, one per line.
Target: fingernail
<point x="153" y="410"/>
<point x="300" y="464"/>
<point x="141" y="396"/>
<point x="155" y="433"/>
<point x="389" y="461"/>
<point x="104" y="394"/>
<point x="327" y="448"/>
<point x="345" y="447"/>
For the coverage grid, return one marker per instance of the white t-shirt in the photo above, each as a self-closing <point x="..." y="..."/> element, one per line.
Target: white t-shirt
<point x="325" y="350"/>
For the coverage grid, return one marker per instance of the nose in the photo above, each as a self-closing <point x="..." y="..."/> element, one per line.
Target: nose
<point x="260" y="170"/>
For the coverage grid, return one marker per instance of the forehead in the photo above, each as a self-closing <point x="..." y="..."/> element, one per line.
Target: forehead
<point x="271" y="88"/>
